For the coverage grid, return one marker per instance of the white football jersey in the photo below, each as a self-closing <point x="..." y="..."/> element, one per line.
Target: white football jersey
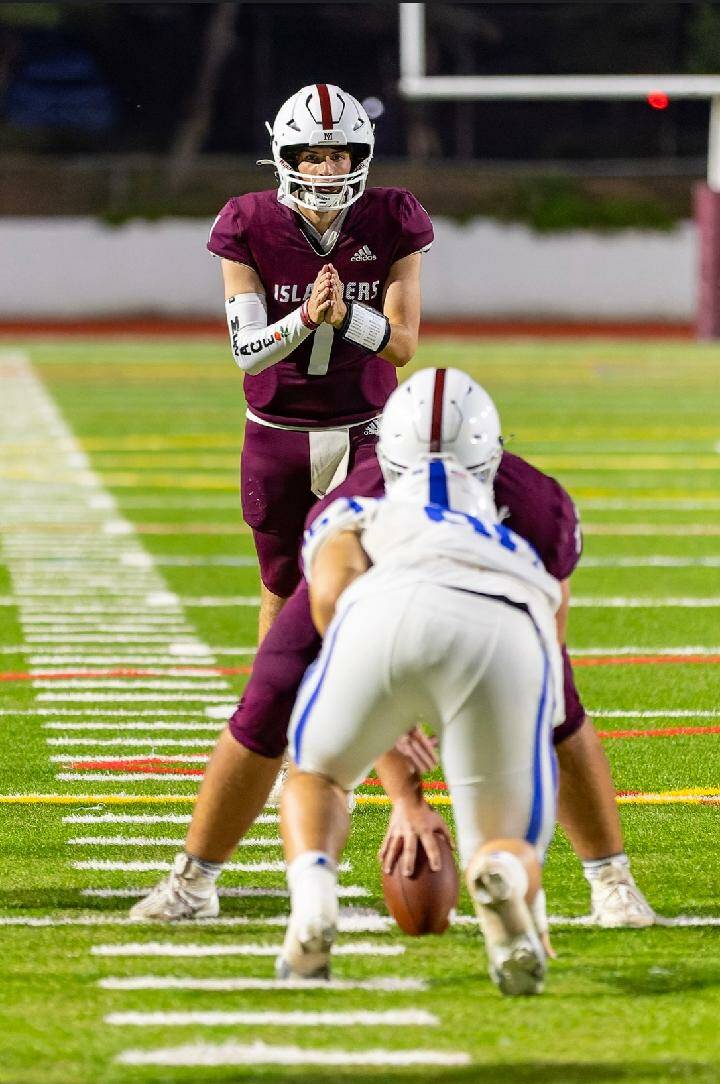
<point x="418" y="533"/>
<point x="415" y="535"/>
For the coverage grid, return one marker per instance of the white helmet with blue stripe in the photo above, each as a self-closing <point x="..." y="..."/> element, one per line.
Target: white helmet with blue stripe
<point x="439" y="479"/>
<point x="435" y="414"/>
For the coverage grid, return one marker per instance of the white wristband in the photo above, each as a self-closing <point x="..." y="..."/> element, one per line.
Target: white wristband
<point x="365" y="327"/>
<point x="255" y="344"/>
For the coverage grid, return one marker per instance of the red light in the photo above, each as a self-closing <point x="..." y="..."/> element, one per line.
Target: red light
<point x="658" y="100"/>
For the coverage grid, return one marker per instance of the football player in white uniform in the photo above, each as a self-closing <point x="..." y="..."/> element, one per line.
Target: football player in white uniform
<point x="430" y="608"/>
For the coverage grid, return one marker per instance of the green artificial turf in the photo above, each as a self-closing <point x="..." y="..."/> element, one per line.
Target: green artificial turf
<point x="633" y="430"/>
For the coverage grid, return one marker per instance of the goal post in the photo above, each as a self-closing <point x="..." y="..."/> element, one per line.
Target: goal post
<point x="416" y="85"/>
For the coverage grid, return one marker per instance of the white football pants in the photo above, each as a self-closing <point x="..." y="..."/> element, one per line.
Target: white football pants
<point x="473" y="668"/>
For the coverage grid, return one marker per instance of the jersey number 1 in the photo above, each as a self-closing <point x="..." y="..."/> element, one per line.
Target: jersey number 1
<point x="321" y="347"/>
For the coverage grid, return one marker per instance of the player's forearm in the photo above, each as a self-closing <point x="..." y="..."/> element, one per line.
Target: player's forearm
<point x="401" y="345"/>
<point x="336" y="565"/>
<point x="561" y="616"/>
<point x="323" y="599"/>
<point x="325" y="592"/>
<point x="399" y="778"/>
<point x="255" y="344"/>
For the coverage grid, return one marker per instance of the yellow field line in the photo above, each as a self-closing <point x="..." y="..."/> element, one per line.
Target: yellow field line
<point x="693" y="795"/>
<point x="685" y="792"/>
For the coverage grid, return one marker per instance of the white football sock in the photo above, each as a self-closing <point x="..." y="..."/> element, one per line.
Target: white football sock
<point x="312" y="879"/>
<point x="592" y="867"/>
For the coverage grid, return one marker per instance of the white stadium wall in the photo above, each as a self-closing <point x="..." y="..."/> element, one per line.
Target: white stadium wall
<point x="76" y="267"/>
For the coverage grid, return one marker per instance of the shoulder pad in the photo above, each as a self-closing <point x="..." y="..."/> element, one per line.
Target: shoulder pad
<point x="345" y="514"/>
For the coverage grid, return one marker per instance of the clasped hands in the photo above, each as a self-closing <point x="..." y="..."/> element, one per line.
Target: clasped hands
<point x="325" y="304"/>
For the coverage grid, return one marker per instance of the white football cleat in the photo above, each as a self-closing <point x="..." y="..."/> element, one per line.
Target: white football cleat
<point x="617" y="901"/>
<point x="185" y="893"/>
<point x="306" y="953"/>
<point x="516" y="958"/>
<point x="312" y="926"/>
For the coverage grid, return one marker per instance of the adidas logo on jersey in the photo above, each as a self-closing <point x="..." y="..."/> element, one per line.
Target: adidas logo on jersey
<point x="363" y="253"/>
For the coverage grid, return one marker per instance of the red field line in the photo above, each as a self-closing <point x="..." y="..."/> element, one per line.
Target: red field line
<point x="146" y="764"/>
<point x="203" y="671"/>
<point x="463" y="329"/>
<point x="154" y="764"/>
<point x="665" y="732"/>
<point x="124" y="672"/>
<point x="161" y="765"/>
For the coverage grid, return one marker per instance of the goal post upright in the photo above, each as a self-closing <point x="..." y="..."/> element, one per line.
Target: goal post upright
<point x="416" y="85"/>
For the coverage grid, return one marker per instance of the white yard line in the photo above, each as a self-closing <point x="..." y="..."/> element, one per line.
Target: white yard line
<point x="391" y="1018"/>
<point x="684" y="649"/>
<point x="236" y="985"/>
<point x="665" y="530"/>
<point x="126" y="698"/>
<point x="653" y="504"/>
<point x="97" y="684"/>
<point x="128" y="777"/>
<point x="92" y="640"/>
<point x="651" y="562"/>
<point x="249" y="948"/>
<point x="128" y="602"/>
<point x="104" y="762"/>
<point x="258" y="1053"/>
<point x="345" y="892"/>
<point x="161" y="841"/>
<point x="149" y="818"/>
<point x="625" y="603"/>
<point x="375" y="924"/>
<point x="106" y="865"/>
<point x="126" y="727"/>
<point x="674" y="713"/>
<point x="151" y="740"/>
<point x="168" y="663"/>
<point x="674" y="920"/>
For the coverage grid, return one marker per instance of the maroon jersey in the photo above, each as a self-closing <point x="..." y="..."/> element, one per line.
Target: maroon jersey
<point x="384" y="225"/>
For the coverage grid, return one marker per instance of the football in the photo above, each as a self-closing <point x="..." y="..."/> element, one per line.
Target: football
<point x="422" y="903"/>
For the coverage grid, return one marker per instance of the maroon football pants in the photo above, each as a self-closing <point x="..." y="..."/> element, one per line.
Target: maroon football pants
<point x="276" y="495"/>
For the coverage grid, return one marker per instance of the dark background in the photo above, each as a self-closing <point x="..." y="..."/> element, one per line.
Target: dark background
<point x="194" y="83"/>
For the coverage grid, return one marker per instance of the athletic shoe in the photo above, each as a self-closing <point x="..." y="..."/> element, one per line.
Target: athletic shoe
<point x="186" y="892"/>
<point x="306" y="955"/>
<point x="516" y="958"/>
<point x="617" y="901"/>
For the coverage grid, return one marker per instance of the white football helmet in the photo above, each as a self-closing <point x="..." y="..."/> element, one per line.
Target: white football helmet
<point x="321" y="115"/>
<point x="439" y="479"/>
<point x="440" y="412"/>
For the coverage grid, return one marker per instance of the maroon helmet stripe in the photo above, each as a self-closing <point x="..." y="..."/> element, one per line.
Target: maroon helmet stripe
<point x="327" y="121"/>
<point x="437" y="411"/>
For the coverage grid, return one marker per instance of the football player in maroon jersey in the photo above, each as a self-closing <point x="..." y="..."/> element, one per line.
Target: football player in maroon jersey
<point x="322" y="287"/>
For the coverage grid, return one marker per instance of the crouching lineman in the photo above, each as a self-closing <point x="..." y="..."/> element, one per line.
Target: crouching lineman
<point x="430" y="608"/>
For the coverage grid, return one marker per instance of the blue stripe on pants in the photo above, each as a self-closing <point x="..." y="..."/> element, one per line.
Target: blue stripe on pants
<point x="536" y="812"/>
<point x="302" y="721"/>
